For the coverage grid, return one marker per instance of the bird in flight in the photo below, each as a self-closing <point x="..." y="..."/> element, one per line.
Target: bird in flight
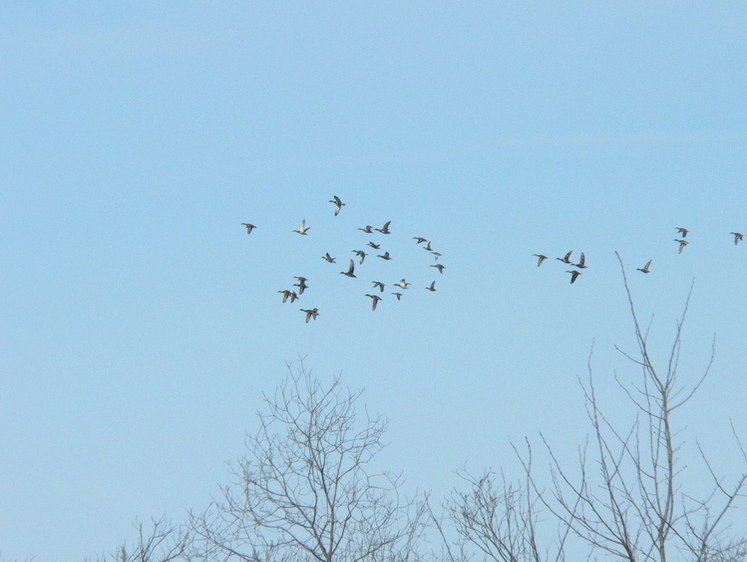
<point x="683" y="243"/>
<point x="574" y="275"/>
<point x="384" y="229"/>
<point x="310" y="313"/>
<point x="403" y="284"/>
<point x="682" y="231"/>
<point x="432" y="286"/>
<point x="375" y="300"/>
<point x="374" y="245"/>
<point x="338" y="204"/>
<point x="350" y="271"/>
<point x="645" y="268"/>
<point x="361" y="254"/>
<point x="566" y="258"/>
<point x="439" y="266"/>
<point x="302" y="286"/>
<point x="419" y="239"/>
<point x="436" y="255"/>
<point x="368" y="228"/>
<point x="427" y="246"/>
<point x="398" y="295"/>
<point x="378" y="284"/>
<point x="540" y="258"/>
<point x="385" y="256"/>
<point x="329" y="258"/>
<point x="249" y="227"/>
<point x="581" y="263"/>
<point x="737" y="237"/>
<point x="302" y="229"/>
<point x="288" y="295"/>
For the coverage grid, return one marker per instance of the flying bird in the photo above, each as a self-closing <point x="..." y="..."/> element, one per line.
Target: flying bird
<point x="403" y="284"/>
<point x="329" y="258"/>
<point x="581" y="263"/>
<point x="288" y="295"/>
<point x="432" y="286"/>
<point x="683" y="243"/>
<point x="350" y="270"/>
<point x="338" y="204"/>
<point x="427" y="246"/>
<point x="302" y="229"/>
<point x="368" y="228"/>
<point x="645" y="268"/>
<point x="378" y="284"/>
<point x="374" y="245"/>
<point x="302" y="286"/>
<point x="419" y="239"/>
<point x="566" y="258"/>
<point x="398" y="295"/>
<point x="384" y="229"/>
<point x="436" y="254"/>
<point x="737" y="237"/>
<point x="375" y="301"/>
<point x="361" y="254"/>
<point x="439" y="266"/>
<point x="310" y="313"/>
<point x="574" y="275"/>
<point x="249" y="227"/>
<point x="385" y="256"/>
<point x="682" y="231"/>
<point x="540" y="258"/>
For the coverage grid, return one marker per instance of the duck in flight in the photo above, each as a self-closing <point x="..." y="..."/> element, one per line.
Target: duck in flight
<point x="540" y="258"/>
<point x="288" y="295"/>
<point x="645" y="268"/>
<point x="737" y="237"/>
<point x="566" y="258"/>
<point x="384" y="229"/>
<point x="378" y="284"/>
<point x="302" y="286"/>
<point x="302" y="229"/>
<point x="249" y="227"/>
<point x="350" y="271"/>
<point x="403" y="284"/>
<point x="361" y="254"/>
<point x="581" y="263"/>
<point x="310" y="313"/>
<point x="683" y="243"/>
<point x="368" y="228"/>
<point x="385" y="256"/>
<point x="329" y="258"/>
<point x="432" y="286"/>
<point x="574" y="275"/>
<point x="375" y="300"/>
<point x="682" y="231"/>
<point x="439" y="266"/>
<point x="338" y="204"/>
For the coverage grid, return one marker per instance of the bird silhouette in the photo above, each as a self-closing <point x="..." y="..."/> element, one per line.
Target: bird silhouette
<point x="375" y="300"/>
<point x="398" y="295"/>
<point x="302" y="229"/>
<point x="249" y="227"/>
<point x="368" y="228"/>
<point x="384" y="229"/>
<point x="302" y="286"/>
<point x="683" y="243"/>
<point x="432" y="286"/>
<point x="439" y="266"/>
<point x="581" y="263"/>
<point x="329" y="258"/>
<point x="350" y="271"/>
<point x="540" y="258"/>
<point x="574" y="275"/>
<point x="682" y="231"/>
<point x="338" y="204"/>
<point x="378" y="284"/>
<point x="436" y="255"/>
<point x="288" y="295"/>
<point x="374" y="245"/>
<point x="310" y="313"/>
<point x="419" y="239"/>
<point x="385" y="256"/>
<point x="566" y="258"/>
<point x="645" y="268"/>
<point x="361" y="254"/>
<point x="403" y="284"/>
<point x="737" y="237"/>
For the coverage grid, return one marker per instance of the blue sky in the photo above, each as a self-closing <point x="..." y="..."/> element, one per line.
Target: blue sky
<point x="141" y="325"/>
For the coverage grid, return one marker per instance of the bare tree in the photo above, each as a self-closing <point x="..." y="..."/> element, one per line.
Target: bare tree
<point x="636" y="509"/>
<point x="160" y="542"/>
<point x="305" y="489"/>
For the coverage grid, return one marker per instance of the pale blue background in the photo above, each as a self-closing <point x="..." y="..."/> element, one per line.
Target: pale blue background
<point x="140" y="325"/>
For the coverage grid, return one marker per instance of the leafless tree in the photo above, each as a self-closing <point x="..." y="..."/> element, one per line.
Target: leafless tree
<point x="636" y="510"/>
<point x="161" y="541"/>
<point x="306" y="489"/>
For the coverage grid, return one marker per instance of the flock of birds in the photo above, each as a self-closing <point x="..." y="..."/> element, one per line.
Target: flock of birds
<point x="298" y="289"/>
<point x="581" y="264"/>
